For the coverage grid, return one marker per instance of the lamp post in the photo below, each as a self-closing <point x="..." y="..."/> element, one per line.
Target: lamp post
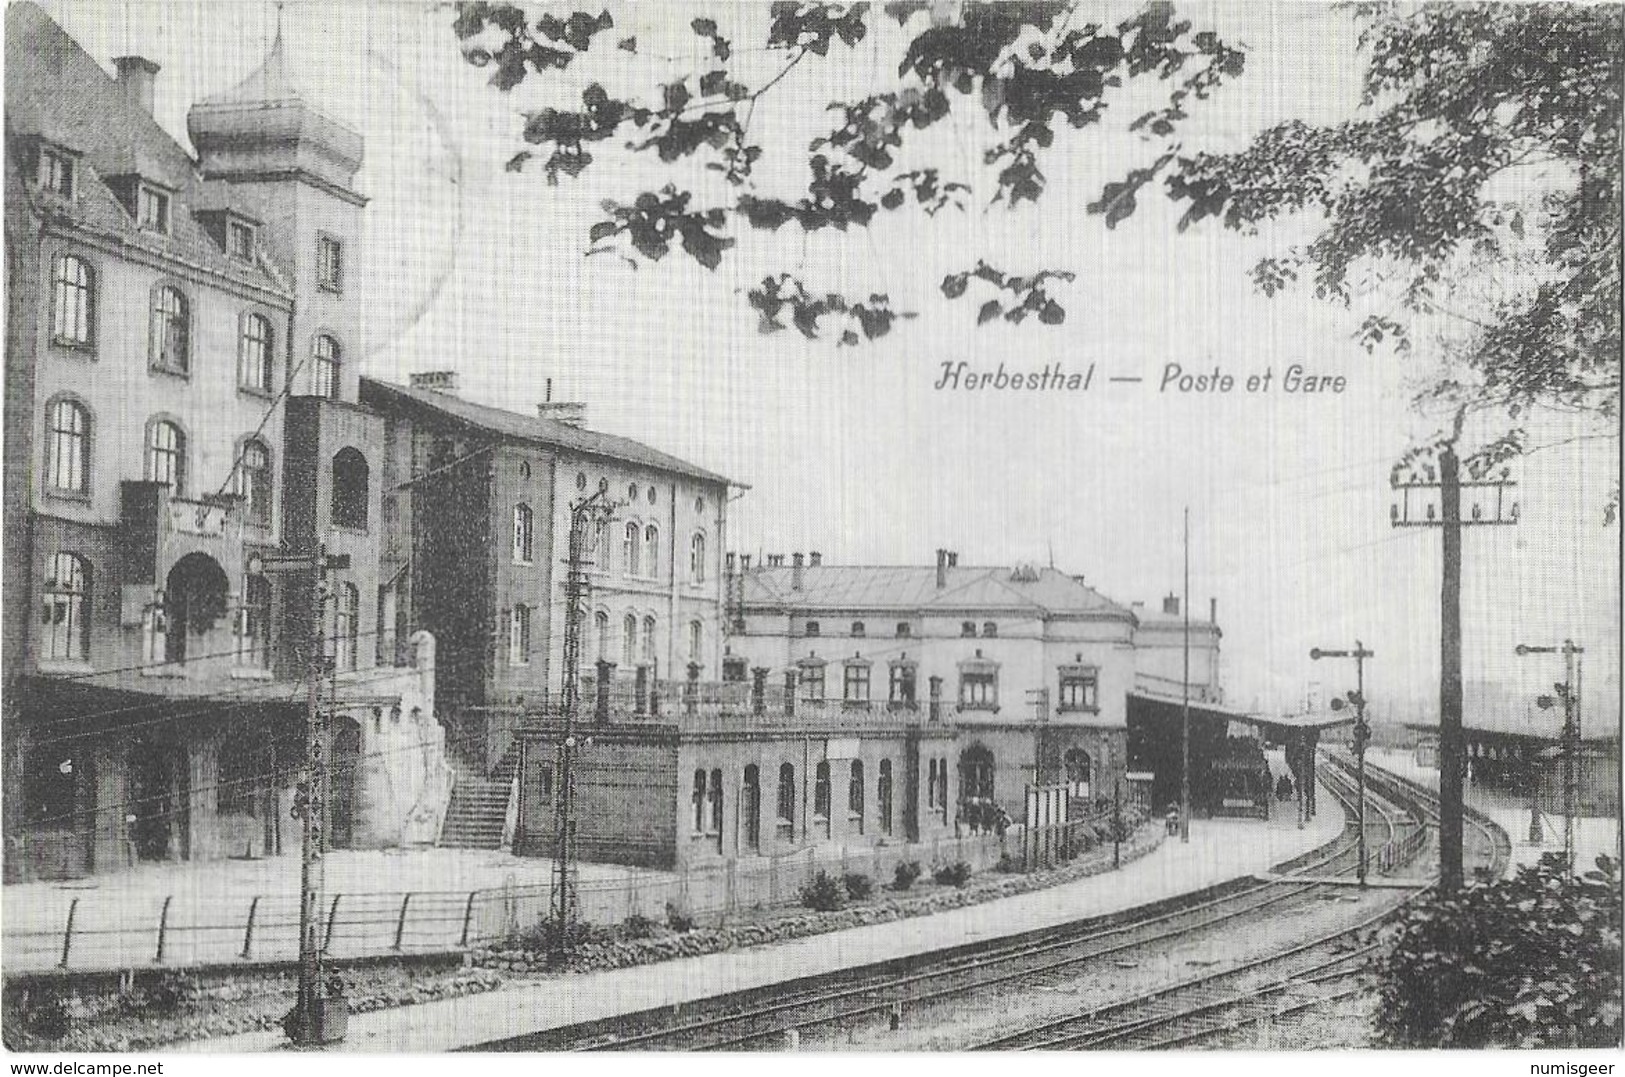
<point x="1566" y="692"/>
<point x="1362" y="731"/>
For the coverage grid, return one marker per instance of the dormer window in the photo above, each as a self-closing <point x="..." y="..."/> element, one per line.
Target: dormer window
<point x="152" y="209"/>
<point x="240" y="241"/>
<point x="56" y="171"/>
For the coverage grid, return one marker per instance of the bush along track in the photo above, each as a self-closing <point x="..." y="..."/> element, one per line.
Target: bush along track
<point x="837" y="908"/>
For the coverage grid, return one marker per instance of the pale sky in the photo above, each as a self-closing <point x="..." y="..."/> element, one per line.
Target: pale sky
<point x="851" y="451"/>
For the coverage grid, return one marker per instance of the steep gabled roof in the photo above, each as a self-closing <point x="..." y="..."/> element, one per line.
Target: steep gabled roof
<point x="550" y="432"/>
<point x="909" y="588"/>
<point x="58" y="92"/>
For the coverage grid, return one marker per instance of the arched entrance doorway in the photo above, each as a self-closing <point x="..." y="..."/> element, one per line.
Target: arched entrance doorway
<point x="194" y="601"/>
<point x="1077" y="764"/>
<point x="343" y="783"/>
<point x="158" y="812"/>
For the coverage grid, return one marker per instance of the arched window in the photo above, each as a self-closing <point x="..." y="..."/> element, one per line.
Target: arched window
<point x="787" y="799"/>
<point x="600" y="623"/>
<point x="254" y="354"/>
<point x="254" y="624"/>
<point x="67" y="448"/>
<point x="630" y="550"/>
<point x="169" y="345"/>
<point x="812" y="628"/>
<point x="990" y="629"/>
<point x="651" y="550"/>
<point x="696" y="637"/>
<point x="66" y="620"/>
<point x="858" y="628"/>
<point x="699" y="801"/>
<point x="347" y="628"/>
<point x="166" y="456"/>
<point x="73" y="301"/>
<point x="519" y="635"/>
<point x="600" y="546"/>
<point x="821" y="791"/>
<point x="350" y="489"/>
<point x="750" y="807"/>
<point x="696" y="557"/>
<point x="648" y="641"/>
<point x="967" y="628"/>
<point x="254" y="482"/>
<point x="326" y="356"/>
<point x="629" y="642"/>
<point x="524" y="533"/>
<point x="883" y="796"/>
<point x="854" y="797"/>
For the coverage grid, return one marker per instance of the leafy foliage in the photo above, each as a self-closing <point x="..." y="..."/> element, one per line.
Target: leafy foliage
<point x="1026" y="70"/>
<point x="905" y="874"/>
<point x="1531" y="961"/>
<point x="858" y="885"/>
<point x="823" y="893"/>
<point x="1459" y="99"/>
<point x="784" y="294"/>
<point x="1028" y="295"/>
<point x="956" y="874"/>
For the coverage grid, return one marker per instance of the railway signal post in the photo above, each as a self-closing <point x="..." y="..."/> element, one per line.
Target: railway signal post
<point x="1362" y="731"/>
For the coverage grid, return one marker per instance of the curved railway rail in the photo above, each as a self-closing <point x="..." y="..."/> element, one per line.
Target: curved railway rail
<point x="766" y="1018"/>
<point x="1303" y="977"/>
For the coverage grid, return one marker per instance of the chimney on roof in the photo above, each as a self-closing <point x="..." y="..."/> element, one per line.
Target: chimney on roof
<point x="1213" y="612"/>
<point x="137" y="77"/>
<point x="436" y="381"/>
<point x="569" y="412"/>
<point x="953" y="558"/>
<point x="730" y="563"/>
<point x="814" y="559"/>
<point x="744" y="562"/>
<point x="796" y="572"/>
<point x="942" y="568"/>
<point x="1170" y="605"/>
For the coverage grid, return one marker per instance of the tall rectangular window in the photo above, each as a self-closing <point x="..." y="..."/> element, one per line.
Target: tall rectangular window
<point x="855" y="687"/>
<point x="240" y="241"/>
<point x="812" y="682"/>
<point x="152" y="209"/>
<point x="56" y="172"/>
<point x="978" y="690"/>
<point x="68" y="448"/>
<point x="524" y="533"/>
<point x="329" y="263"/>
<point x="519" y="636"/>
<point x="1079" y="691"/>
<point x="73" y="296"/>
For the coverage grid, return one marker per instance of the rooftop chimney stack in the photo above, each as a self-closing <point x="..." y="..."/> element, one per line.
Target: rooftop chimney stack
<point x="137" y="77"/>
<point x="953" y="558"/>
<point x="1213" y="612"/>
<point x="1170" y="605"/>
<point x="569" y="412"/>
<point x="796" y="572"/>
<point x="744" y="562"/>
<point x="436" y="381"/>
<point x="730" y="563"/>
<point x="814" y="559"/>
<point x="942" y="568"/>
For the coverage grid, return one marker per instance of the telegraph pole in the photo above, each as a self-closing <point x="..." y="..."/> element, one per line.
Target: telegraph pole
<point x="1362" y="731"/>
<point x="1568" y="691"/>
<point x="1416" y="474"/>
<point x="585" y="517"/>
<point x="1185" y="707"/>
<point x="310" y="1023"/>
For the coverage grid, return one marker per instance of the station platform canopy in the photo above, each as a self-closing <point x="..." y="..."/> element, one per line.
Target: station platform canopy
<point x="1274" y="726"/>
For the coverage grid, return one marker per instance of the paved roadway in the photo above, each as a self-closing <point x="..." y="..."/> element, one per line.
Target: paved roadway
<point x="1219" y="850"/>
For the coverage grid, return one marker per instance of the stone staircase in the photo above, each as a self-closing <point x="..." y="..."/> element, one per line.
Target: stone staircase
<point x="478" y="808"/>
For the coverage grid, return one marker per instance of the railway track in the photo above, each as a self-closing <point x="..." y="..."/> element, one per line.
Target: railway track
<point x="1304" y="977"/>
<point x="765" y="1019"/>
